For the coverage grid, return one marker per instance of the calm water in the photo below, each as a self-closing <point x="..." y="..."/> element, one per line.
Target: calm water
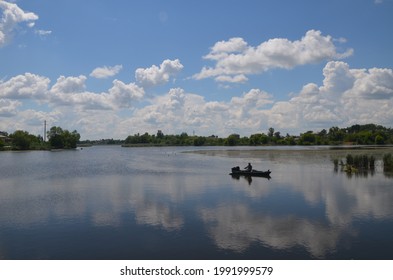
<point x="160" y="203"/>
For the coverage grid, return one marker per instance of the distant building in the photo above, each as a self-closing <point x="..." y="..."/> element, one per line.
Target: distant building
<point x="4" y="137"/>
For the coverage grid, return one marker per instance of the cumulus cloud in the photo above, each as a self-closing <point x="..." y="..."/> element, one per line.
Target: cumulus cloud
<point x="11" y="17"/>
<point x="235" y="58"/>
<point x="156" y="75"/>
<point x="68" y="91"/>
<point x="180" y="111"/>
<point x="24" y="86"/>
<point x="347" y="96"/>
<point x="71" y="91"/>
<point x="8" y="108"/>
<point x="106" y="71"/>
<point x="66" y="85"/>
<point x="124" y="95"/>
<point x="231" y="79"/>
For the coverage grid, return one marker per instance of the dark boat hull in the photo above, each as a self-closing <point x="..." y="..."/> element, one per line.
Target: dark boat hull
<point x="253" y="173"/>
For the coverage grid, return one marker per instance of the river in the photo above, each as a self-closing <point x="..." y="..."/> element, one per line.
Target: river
<point x="108" y="202"/>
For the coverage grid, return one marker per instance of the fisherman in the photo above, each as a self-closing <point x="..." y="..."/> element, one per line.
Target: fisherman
<point x="248" y="167"/>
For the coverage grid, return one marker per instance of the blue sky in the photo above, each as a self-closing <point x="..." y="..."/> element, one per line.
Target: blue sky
<point x="115" y="68"/>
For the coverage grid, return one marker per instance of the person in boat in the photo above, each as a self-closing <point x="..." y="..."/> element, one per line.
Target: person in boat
<point x="248" y="167"/>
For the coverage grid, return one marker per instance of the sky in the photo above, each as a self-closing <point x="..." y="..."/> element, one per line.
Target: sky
<point x="110" y="69"/>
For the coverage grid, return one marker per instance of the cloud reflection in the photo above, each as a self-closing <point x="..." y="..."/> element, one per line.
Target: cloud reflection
<point x="237" y="227"/>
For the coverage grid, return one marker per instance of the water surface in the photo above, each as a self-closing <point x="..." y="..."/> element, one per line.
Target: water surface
<point x="108" y="202"/>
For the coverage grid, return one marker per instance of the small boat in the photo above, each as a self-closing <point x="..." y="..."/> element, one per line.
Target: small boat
<point x="253" y="173"/>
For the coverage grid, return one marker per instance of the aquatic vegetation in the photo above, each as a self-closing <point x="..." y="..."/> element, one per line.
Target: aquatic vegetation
<point x="363" y="163"/>
<point x="356" y="163"/>
<point x="388" y="163"/>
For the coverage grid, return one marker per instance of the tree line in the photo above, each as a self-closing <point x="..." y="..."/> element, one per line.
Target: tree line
<point x="58" y="138"/>
<point x="369" y="134"/>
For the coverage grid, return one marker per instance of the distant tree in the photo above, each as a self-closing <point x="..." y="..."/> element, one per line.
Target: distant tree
<point x="379" y="140"/>
<point x="307" y="138"/>
<point x="56" y="140"/>
<point x="233" y="140"/>
<point x="255" y="139"/>
<point x="63" y="139"/>
<point x="322" y="133"/>
<point x="270" y="132"/>
<point x="160" y="135"/>
<point x="336" y="134"/>
<point x="289" y="140"/>
<point x="145" y="138"/>
<point x="21" y="140"/>
<point x="199" y="141"/>
<point x="71" y="139"/>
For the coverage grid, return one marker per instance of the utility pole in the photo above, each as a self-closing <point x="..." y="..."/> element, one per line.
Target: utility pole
<point x="45" y="131"/>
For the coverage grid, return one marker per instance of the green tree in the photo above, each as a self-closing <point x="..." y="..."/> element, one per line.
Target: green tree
<point x="199" y="141"/>
<point x="270" y="132"/>
<point x="256" y="139"/>
<point x="379" y="140"/>
<point x="21" y="140"/>
<point x="233" y="140"/>
<point x="308" y="138"/>
<point x="336" y="134"/>
<point x="63" y="139"/>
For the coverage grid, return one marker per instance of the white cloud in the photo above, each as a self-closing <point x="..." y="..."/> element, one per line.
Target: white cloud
<point x="11" y="16"/>
<point x="235" y="57"/>
<point x="8" y="108"/>
<point x="71" y="91"/>
<point x="375" y="83"/>
<point x="156" y="75"/>
<point x="66" y="85"/>
<point x="231" y="79"/>
<point x="222" y="48"/>
<point x="24" y="86"/>
<point x="124" y="95"/>
<point x="67" y="91"/>
<point x="43" y="33"/>
<point x="179" y="111"/>
<point x="345" y="96"/>
<point x="106" y="71"/>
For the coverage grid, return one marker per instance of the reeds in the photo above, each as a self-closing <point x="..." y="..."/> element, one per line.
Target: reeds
<point x="361" y="162"/>
<point x="388" y="163"/>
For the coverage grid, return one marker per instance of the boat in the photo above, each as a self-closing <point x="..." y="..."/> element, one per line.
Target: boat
<point x="236" y="171"/>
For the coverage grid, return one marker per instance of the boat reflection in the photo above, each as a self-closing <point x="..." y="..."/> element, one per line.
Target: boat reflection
<point x="248" y="178"/>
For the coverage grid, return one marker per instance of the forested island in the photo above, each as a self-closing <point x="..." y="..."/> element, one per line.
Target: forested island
<point x="58" y="138"/>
